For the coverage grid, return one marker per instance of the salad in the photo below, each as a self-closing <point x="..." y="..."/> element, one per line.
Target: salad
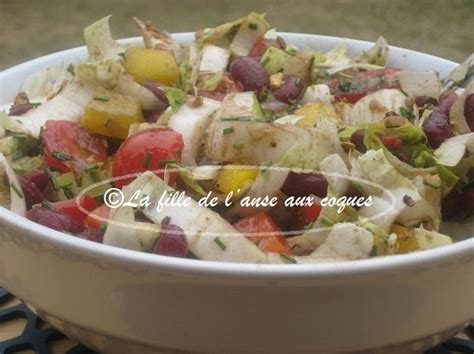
<point x="240" y="115"/>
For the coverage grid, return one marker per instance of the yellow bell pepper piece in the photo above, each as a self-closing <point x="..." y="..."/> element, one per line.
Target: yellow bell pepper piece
<point x="111" y="114"/>
<point x="151" y="64"/>
<point x="406" y="242"/>
<point x="234" y="180"/>
<point x="314" y="111"/>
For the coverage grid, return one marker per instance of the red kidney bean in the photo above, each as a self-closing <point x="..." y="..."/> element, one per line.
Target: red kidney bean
<point x="303" y="184"/>
<point x="291" y="90"/>
<point x="451" y="204"/>
<point x="469" y="111"/>
<point x="53" y="220"/>
<point x="357" y="138"/>
<point x="445" y="103"/>
<point x="250" y="74"/>
<point x="437" y="128"/>
<point x="155" y="88"/>
<point x="468" y="199"/>
<point x="422" y="101"/>
<point x="95" y="235"/>
<point x="39" y="177"/>
<point x="31" y="192"/>
<point x="172" y="241"/>
<point x="20" y="109"/>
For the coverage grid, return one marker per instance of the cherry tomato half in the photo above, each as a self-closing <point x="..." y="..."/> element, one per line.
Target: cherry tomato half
<point x="391" y="142"/>
<point x="69" y="147"/>
<point x="92" y="222"/>
<point x="147" y="150"/>
<point x="307" y="214"/>
<point x="70" y="207"/>
<point x="263" y="223"/>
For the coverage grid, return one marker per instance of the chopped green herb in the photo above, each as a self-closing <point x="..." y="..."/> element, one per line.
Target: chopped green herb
<point x="103" y="226"/>
<point x="94" y="175"/>
<point x="164" y="162"/>
<point x="91" y="166"/>
<point x="52" y="179"/>
<point x="239" y="146"/>
<point x="122" y="55"/>
<point x="102" y="98"/>
<point x="308" y="226"/>
<point x="265" y="60"/>
<point x="47" y="204"/>
<point x="345" y="85"/>
<point x="253" y="26"/>
<point x="221" y="244"/>
<point x="16" y="190"/>
<point x="35" y="104"/>
<point x="346" y="76"/>
<point x="61" y="156"/>
<point x="287" y="259"/>
<point x="265" y="166"/>
<point x="236" y="119"/>
<point x="17" y="155"/>
<point x="147" y="159"/>
<point x="326" y="222"/>
<point x="435" y="186"/>
<point x="71" y="69"/>
<point x="406" y="112"/>
<point x="67" y="191"/>
<point x="228" y="130"/>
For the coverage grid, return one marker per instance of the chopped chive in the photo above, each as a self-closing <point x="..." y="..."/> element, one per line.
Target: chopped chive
<point x="325" y="221"/>
<point x="16" y="190"/>
<point x="164" y="162"/>
<point x="239" y="146"/>
<point x="147" y="159"/>
<point x="94" y="175"/>
<point x="265" y="166"/>
<point x="102" y="98"/>
<point x="435" y="186"/>
<point x="221" y="244"/>
<point x="308" y="226"/>
<point x="122" y="55"/>
<point x="265" y="60"/>
<point x="287" y="259"/>
<point x="47" y="204"/>
<point x="52" y="179"/>
<point x="71" y="68"/>
<point x="35" y="104"/>
<point x="346" y="76"/>
<point x="61" y="156"/>
<point x="392" y="126"/>
<point x="18" y="155"/>
<point x="68" y="192"/>
<point x="253" y="26"/>
<point x="91" y="166"/>
<point x="103" y="226"/>
<point x="228" y="130"/>
<point x="236" y="119"/>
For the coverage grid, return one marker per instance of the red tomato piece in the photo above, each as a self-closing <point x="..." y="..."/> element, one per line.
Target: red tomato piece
<point x="71" y="208"/>
<point x="147" y="150"/>
<point x="92" y="220"/>
<point x="363" y="83"/>
<point x="391" y="142"/>
<point x="263" y="223"/>
<point x="307" y="214"/>
<point x="68" y="147"/>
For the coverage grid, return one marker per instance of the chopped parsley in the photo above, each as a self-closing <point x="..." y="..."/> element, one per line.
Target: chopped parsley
<point x="287" y="259"/>
<point x="147" y="159"/>
<point x="101" y="98"/>
<point x="71" y="69"/>
<point x="61" y="156"/>
<point x="16" y="190"/>
<point x="228" y="130"/>
<point x="238" y="146"/>
<point x="219" y="243"/>
<point x="47" y="204"/>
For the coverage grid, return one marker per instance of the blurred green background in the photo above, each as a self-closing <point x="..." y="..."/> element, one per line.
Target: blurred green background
<point x="33" y="28"/>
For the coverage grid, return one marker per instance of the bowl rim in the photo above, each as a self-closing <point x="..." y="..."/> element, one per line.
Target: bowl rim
<point x="378" y="265"/>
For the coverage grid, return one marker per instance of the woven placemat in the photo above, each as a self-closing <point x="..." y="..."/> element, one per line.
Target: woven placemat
<point x="21" y="331"/>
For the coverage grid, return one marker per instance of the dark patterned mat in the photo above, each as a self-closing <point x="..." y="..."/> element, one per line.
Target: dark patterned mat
<point x="37" y="339"/>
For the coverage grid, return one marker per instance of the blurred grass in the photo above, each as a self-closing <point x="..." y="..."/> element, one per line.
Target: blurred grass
<point x="445" y="28"/>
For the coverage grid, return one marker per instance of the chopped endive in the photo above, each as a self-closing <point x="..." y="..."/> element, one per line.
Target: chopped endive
<point x="17" y="199"/>
<point x="112" y="117"/>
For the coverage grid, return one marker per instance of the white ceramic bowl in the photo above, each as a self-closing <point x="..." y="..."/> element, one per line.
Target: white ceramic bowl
<point x="122" y="301"/>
